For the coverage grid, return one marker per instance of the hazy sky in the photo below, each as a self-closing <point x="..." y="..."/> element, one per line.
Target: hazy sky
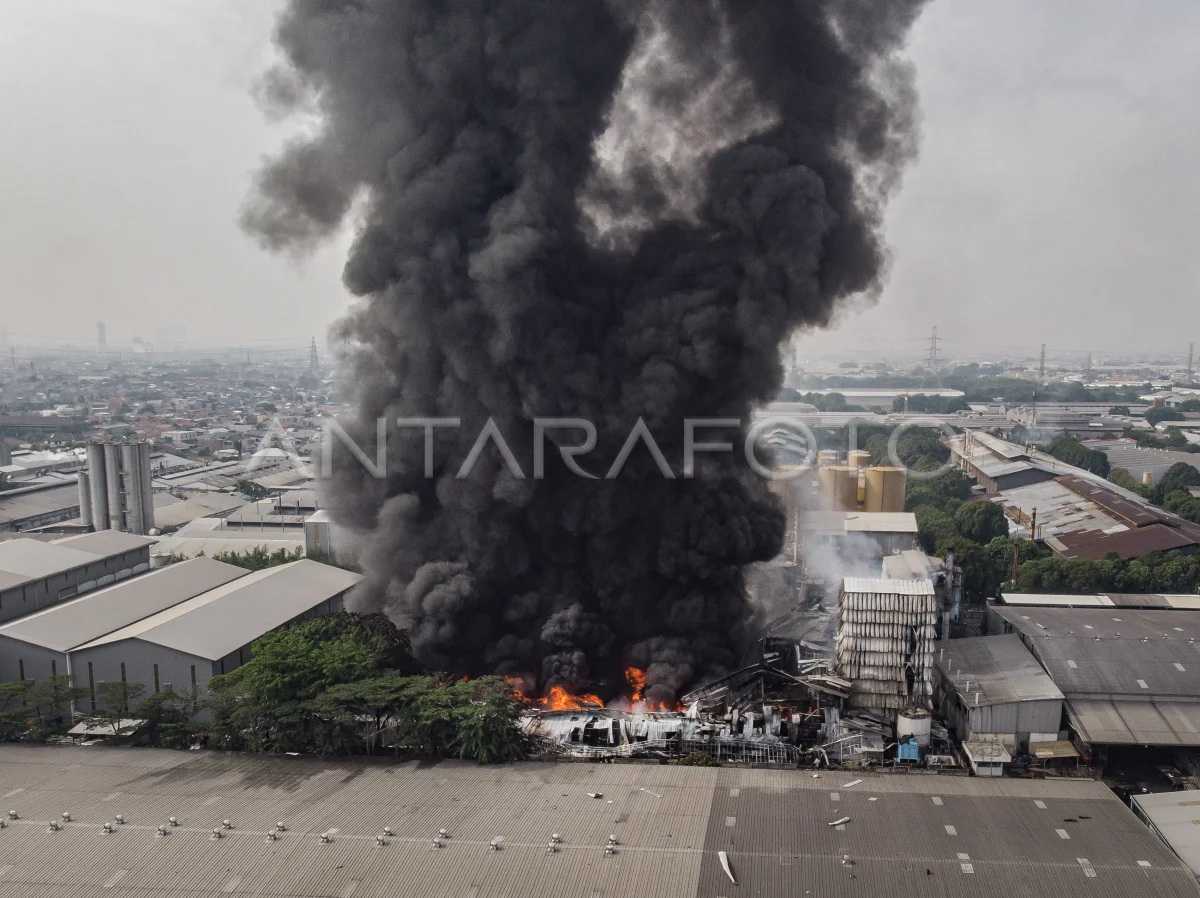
<point x="1055" y="200"/>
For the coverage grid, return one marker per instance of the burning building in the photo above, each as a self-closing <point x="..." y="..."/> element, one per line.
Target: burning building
<point x="605" y="212"/>
<point x="884" y="644"/>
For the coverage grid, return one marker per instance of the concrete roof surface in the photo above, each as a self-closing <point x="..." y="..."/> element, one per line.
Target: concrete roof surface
<point x="981" y="837"/>
<point x="217" y="622"/>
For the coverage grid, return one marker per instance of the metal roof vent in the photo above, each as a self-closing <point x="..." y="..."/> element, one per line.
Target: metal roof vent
<point x="107" y="827"/>
<point x="3" y="823"/>
<point x="13" y="815"/>
<point x="217" y="834"/>
<point x="160" y="832"/>
<point x="120" y="818"/>
<point x="612" y="840"/>
<point x="66" y="815"/>
<point x="443" y="834"/>
<point x="555" y="838"/>
<point x="174" y="821"/>
<point x="326" y="838"/>
<point x="495" y="843"/>
<point x="381" y="840"/>
<point x="271" y="837"/>
<point x="387" y="831"/>
<point x="279" y="827"/>
<point x="226" y="824"/>
<point x="436" y="844"/>
<point x="552" y="847"/>
<point x="610" y="849"/>
<point x="54" y="827"/>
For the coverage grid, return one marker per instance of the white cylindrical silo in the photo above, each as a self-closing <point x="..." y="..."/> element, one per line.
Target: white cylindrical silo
<point x="147" y="488"/>
<point x="85" y="500"/>
<point x="131" y="486"/>
<point x="98" y="483"/>
<point x="112" y="482"/>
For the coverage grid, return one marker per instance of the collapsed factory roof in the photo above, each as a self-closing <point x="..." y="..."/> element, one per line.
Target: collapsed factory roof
<point x="903" y="835"/>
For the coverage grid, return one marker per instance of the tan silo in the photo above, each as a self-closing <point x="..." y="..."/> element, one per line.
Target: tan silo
<point x="858" y="458"/>
<point x="827" y="457"/>
<point x="885" y="488"/>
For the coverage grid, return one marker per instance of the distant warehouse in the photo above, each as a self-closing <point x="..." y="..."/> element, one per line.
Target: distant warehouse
<point x="37" y="646"/>
<point x="35" y="574"/>
<point x="182" y="647"/>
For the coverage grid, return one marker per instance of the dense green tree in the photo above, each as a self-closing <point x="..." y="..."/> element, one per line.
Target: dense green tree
<point x="1159" y="414"/>
<point x="1179" y="476"/>
<point x="1070" y="450"/>
<point x="981" y="521"/>
<point x="1125" y="480"/>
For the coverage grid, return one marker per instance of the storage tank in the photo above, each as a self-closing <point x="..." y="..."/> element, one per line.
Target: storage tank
<point x="85" y="499"/>
<point x="1147" y="478"/>
<point x="885" y="488"/>
<point x="915" y="722"/>
<point x="147" y="490"/>
<point x="131" y="486"/>
<point x="839" y="483"/>
<point x="858" y="458"/>
<point x="112" y="483"/>
<point x="98" y="484"/>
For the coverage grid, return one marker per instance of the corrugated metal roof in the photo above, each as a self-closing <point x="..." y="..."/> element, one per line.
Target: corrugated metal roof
<point x="1119" y="652"/>
<point x="881" y="586"/>
<point x="1173" y="815"/>
<point x="1115" y="722"/>
<point x="983" y="838"/>
<point x="31" y="559"/>
<point x="1181" y="601"/>
<point x="220" y="621"/>
<point x="994" y="670"/>
<point x="105" y="542"/>
<point x="64" y="626"/>
<point x="28" y="502"/>
<point x="881" y="522"/>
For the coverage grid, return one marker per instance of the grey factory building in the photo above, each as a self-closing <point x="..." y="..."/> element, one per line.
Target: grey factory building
<point x="1131" y="676"/>
<point x="37" y="505"/>
<point x="37" y="646"/>
<point x="899" y="835"/>
<point x="992" y="686"/>
<point x="35" y="574"/>
<point x="185" y="645"/>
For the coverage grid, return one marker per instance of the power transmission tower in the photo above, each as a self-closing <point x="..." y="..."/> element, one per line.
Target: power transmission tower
<point x="1042" y="366"/>
<point x="314" y="361"/>
<point x="933" y="349"/>
<point x="1191" y="361"/>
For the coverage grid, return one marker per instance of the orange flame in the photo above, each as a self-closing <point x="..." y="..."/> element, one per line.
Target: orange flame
<point x="636" y="678"/>
<point x="560" y="699"/>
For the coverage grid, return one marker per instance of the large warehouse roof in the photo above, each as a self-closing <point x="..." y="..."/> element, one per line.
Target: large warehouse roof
<point x="1173" y="817"/>
<point x="222" y="620"/>
<point x="1116" y="652"/>
<point x="1182" y="601"/>
<point x="105" y="542"/>
<point x="32" y="559"/>
<point x="998" y="669"/>
<point x="1130" y="675"/>
<point x="920" y="835"/>
<point x="22" y="560"/>
<point x="64" y="626"/>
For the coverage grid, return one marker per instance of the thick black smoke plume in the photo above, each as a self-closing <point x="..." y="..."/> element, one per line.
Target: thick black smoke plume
<point x="602" y="210"/>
